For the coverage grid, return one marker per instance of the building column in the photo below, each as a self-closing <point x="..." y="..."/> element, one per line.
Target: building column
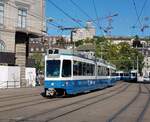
<point x="21" y="61"/>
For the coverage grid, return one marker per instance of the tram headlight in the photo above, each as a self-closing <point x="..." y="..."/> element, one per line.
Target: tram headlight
<point x="67" y="83"/>
<point x="52" y="84"/>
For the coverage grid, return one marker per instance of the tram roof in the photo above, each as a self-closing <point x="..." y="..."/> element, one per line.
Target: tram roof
<point x="85" y="55"/>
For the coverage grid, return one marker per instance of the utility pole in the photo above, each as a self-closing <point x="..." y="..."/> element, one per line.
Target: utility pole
<point x="73" y="30"/>
<point x="101" y="52"/>
<point x="137" y="64"/>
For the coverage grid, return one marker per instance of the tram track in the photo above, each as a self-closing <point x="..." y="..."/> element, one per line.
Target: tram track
<point x="20" y="105"/>
<point x="141" y="116"/>
<point x="125" y="107"/>
<point x="2" y="99"/>
<point x="17" y="103"/>
<point x="29" y="105"/>
<point x="14" y="97"/>
<point x="75" y="103"/>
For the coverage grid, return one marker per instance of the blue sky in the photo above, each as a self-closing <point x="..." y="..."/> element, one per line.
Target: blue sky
<point x="122" y="24"/>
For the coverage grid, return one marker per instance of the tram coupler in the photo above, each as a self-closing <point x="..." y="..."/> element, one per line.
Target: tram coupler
<point x="50" y="92"/>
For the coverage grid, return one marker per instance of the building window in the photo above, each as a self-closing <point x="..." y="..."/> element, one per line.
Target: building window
<point x="37" y="49"/>
<point x="1" y="13"/>
<point x="32" y="49"/>
<point x="22" y="17"/>
<point x="42" y="49"/>
<point x="2" y="46"/>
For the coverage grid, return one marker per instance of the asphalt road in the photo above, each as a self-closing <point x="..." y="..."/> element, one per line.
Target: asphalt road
<point x="125" y="102"/>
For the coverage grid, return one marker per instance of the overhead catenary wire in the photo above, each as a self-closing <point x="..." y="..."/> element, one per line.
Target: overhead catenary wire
<point x="140" y="14"/>
<point x="135" y="8"/>
<point x="145" y="2"/>
<point x="33" y="14"/>
<point x="141" y="26"/>
<point x="96" y="14"/>
<point x="82" y="10"/>
<point x="65" y="13"/>
<point x="86" y="14"/>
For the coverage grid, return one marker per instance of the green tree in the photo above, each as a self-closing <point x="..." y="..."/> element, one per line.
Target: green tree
<point x="78" y="43"/>
<point x="122" y="54"/>
<point x="126" y="57"/>
<point x="101" y="45"/>
<point x="39" y="61"/>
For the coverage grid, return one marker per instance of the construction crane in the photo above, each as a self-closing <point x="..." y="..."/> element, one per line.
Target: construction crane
<point x="110" y="20"/>
<point x="108" y="29"/>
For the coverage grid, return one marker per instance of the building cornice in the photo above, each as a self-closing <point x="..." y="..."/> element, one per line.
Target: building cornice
<point x="4" y="1"/>
<point x="22" y="5"/>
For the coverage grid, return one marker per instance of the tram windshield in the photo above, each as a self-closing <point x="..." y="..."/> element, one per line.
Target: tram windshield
<point x="53" y="68"/>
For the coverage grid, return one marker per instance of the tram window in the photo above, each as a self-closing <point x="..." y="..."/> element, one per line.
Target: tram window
<point x="107" y="72"/>
<point x="113" y="73"/>
<point x="66" y="68"/>
<point x="102" y="71"/>
<point x="88" y="69"/>
<point x="53" y="68"/>
<point x="126" y="74"/>
<point x="92" y="71"/>
<point x="80" y="70"/>
<point x="84" y="69"/>
<point x="75" y="68"/>
<point x="133" y="74"/>
<point x="99" y="71"/>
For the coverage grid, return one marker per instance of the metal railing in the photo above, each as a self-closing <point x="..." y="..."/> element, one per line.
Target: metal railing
<point x="10" y="84"/>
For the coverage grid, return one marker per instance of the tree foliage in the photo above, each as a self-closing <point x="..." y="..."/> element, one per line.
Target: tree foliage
<point x="39" y="61"/>
<point x="78" y="43"/>
<point x="122" y="54"/>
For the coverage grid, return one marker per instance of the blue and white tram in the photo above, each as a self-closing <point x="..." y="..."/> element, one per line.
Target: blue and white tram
<point x="133" y="75"/>
<point x="124" y="76"/>
<point x="119" y="75"/>
<point x="69" y="73"/>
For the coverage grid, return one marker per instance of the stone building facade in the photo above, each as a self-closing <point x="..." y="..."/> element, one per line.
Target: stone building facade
<point x="83" y="33"/>
<point x="38" y="45"/>
<point x="20" y="20"/>
<point x="146" y="52"/>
